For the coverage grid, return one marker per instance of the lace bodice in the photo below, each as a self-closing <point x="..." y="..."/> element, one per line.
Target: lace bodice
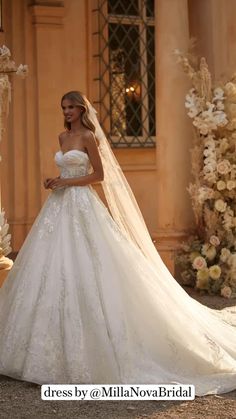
<point x="72" y="163"/>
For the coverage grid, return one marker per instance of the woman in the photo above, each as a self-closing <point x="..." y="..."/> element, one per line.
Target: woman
<point x="89" y="300"/>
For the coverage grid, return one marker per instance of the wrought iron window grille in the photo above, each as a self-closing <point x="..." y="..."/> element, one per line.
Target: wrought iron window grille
<point x="126" y="80"/>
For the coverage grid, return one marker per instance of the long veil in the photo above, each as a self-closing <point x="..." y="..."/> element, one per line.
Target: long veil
<point x="126" y="213"/>
<point x="120" y="198"/>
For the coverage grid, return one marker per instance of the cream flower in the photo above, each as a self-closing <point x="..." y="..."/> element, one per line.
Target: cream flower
<point x="205" y="248"/>
<point x="220" y="205"/>
<point x="208" y="169"/>
<point x="221" y="185"/>
<point x="223" y="167"/>
<point x="231" y="184"/>
<point x="210" y="142"/>
<point x="228" y="220"/>
<point x="223" y="148"/>
<point x="215" y="272"/>
<point x="5" y="52"/>
<point x="214" y="240"/>
<point x="232" y="260"/>
<point x="230" y="90"/>
<point x="205" y="193"/>
<point x="22" y="70"/>
<point x="226" y="292"/>
<point x="211" y="161"/>
<point x="224" y="145"/>
<point x="193" y="103"/>
<point x="219" y="105"/>
<point x="202" y="279"/>
<point x="209" y="120"/>
<point x="211" y="253"/>
<point x="203" y="273"/>
<point x="210" y="177"/>
<point x="186" y="277"/>
<point x="199" y="263"/>
<point x="218" y="94"/>
<point x="209" y="153"/>
<point x="224" y="254"/>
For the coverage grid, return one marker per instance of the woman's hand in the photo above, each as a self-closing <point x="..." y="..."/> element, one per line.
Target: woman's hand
<point x="47" y="182"/>
<point x="57" y="183"/>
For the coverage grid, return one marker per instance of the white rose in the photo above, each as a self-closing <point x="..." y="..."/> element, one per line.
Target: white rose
<point x="231" y="184"/>
<point x="209" y="153"/>
<point x="208" y="168"/>
<point x="211" y="253"/>
<point x="209" y="142"/>
<point x="220" y="205"/>
<point x="205" y="248"/>
<point x="199" y="263"/>
<point x="219" y="119"/>
<point x="218" y="94"/>
<point x="223" y="167"/>
<point x="215" y="272"/>
<point x="226" y="292"/>
<point x="211" y="161"/>
<point x="210" y="177"/>
<point x="203" y="274"/>
<point x="214" y="240"/>
<point x="202" y="278"/>
<point x="221" y="185"/>
<point x="224" y="254"/>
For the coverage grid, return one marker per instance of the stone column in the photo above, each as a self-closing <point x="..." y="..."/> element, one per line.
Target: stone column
<point x="212" y="23"/>
<point x="47" y="18"/>
<point x="174" y="130"/>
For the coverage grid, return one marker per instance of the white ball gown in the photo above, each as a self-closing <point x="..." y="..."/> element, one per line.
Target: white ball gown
<point x="82" y="304"/>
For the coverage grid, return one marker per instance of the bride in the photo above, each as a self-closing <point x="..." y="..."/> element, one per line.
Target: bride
<point x="89" y="300"/>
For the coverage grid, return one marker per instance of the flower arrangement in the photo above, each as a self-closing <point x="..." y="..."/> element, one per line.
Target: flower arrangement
<point x="208" y="259"/>
<point x="7" y="66"/>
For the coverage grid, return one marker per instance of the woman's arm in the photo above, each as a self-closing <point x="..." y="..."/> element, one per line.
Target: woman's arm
<point x="48" y="181"/>
<point x="95" y="159"/>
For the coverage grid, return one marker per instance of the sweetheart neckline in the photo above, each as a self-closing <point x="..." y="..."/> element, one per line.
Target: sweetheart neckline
<point x="79" y="151"/>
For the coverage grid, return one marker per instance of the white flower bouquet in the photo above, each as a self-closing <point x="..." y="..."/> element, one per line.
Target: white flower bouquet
<point x="208" y="259"/>
<point x="7" y="67"/>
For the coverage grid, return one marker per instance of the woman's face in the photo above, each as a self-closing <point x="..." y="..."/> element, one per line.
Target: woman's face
<point x="71" y="111"/>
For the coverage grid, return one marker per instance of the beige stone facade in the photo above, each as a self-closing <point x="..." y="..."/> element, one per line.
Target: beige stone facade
<point x="55" y="39"/>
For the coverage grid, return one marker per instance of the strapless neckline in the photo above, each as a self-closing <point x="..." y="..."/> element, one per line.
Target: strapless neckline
<point x="74" y="150"/>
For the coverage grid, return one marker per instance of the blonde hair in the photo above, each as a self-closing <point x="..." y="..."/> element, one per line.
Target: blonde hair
<point x="79" y="99"/>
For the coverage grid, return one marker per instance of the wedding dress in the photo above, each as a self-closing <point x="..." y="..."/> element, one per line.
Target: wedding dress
<point x="82" y="304"/>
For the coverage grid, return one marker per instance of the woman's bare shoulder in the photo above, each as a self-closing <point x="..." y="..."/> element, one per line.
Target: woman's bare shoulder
<point x="62" y="136"/>
<point x="90" y="137"/>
